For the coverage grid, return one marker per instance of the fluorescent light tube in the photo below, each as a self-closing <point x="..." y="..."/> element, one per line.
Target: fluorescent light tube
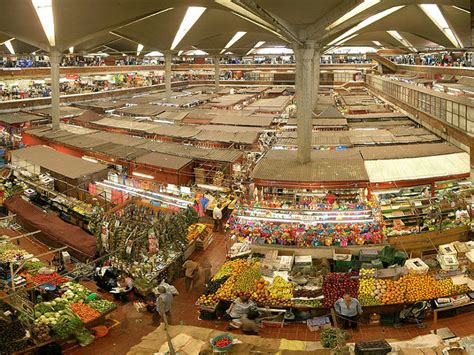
<point x="145" y="176"/>
<point x="71" y="50"/>
<point x="401" y="39"/>
<point x="44" y="10"/>
<point x="238" y="35"/>
<point x="180" y="52"/>
<point x="346" y="39"/>
<point x="9" y="46"/>
<point x="366" y="23"/>
<point x="355" y="11"/>
<point x="192" y="15"/>
<point x="257" y="45"/>
<point x="139" y="49"/>
<point x="435" y="15"/>
<point x="377" y="43"/>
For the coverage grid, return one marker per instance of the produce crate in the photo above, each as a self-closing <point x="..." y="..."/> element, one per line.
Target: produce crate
<point x="377" y="264"/>
<point x="378" y="347"/>
<point x="202" y="244"/>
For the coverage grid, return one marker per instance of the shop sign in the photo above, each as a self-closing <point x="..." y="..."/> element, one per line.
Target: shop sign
<point x="72" y="76"/>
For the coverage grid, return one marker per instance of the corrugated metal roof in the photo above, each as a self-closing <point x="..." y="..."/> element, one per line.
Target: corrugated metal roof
<point x="19" y="117"/>
<point x="282" y="165"/>
<point x="164" y="160"/>
<point x="141" y="110"/>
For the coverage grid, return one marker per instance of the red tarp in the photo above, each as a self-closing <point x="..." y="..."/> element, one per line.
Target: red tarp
<point x="54" y="229"/>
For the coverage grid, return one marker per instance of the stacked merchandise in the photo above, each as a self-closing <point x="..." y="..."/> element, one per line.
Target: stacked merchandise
<point x="146" y="244"/>
<point x="306" y="228"/>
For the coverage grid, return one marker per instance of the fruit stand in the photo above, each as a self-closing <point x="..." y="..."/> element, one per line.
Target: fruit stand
<point x="313" y="285"/>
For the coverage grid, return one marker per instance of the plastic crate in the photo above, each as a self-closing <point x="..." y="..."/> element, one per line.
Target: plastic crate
<point x="378" y="347"/>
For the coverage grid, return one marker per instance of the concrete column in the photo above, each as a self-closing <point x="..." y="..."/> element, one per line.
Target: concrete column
<point x="304" y="100"/>
<point x="316" y="73"/>
<point x="168" y="74"/>
<point x="54" y="58"/>
<point x="217" y="71"/>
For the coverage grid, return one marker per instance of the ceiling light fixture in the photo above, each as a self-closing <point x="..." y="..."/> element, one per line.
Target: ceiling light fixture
<point x="377" y="43"/>
<point x="365" y="23"/>
<point x="355" y="11"/>
<point x="180" y="52"/>
<point x="435" y="15"/>
<point x="261" y="26"/>
<point x="402" y="40"/>
<point x="257" y="45"/>
<point x="44" y="10"/>
<point x="9" y="45"/>
<point x="139" y="49"/>
<point x="238" y="35"/>
<point x="192" y="15"/>
<point x="461" y="9"/>
<point x="71" y="50"/>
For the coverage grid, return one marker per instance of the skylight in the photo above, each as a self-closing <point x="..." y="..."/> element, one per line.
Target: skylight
<point x="44" y="10"/>
<point x="9" y="46"/>
<point x="257" y="45"/>
<point x="366" y="23"/>
<point x="139" y="49"/>
<point x="435" y="15"/>
<point x="238" y="35"/>
<point x="192" y="15"/>
<point x="402" y="40"/>
<point x="355" y="11"/>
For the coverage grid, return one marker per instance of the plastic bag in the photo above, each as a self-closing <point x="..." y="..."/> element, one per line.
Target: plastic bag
<point x="83" y="336"/>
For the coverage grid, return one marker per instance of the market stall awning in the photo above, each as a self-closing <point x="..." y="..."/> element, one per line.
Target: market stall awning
<point x="325" y="167"/>
<point x="60" y="163"/>
<point x="165" y="161"/>
<point x="431" y="167"/>
<point x="408" y="151"/>
<point x="54" y="231"/>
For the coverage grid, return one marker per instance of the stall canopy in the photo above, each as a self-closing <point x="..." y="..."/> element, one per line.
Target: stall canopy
<point x="164" y="161"/>
<point x="60" y="163"/>
<point x="54" y="231"/>
<point x="418" y="168"/>
<point x="325" y="166"/>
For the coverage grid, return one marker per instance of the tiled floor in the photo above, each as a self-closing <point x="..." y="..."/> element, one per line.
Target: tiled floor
<point x="134" y="325"/>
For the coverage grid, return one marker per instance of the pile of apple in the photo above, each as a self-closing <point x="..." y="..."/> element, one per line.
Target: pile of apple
<point x="336" y="284"/>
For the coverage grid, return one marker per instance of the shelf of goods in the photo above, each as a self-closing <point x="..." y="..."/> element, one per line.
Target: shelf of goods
<point x="405" y="215"/>
<point x="301" y="282"/>
<point x="307" y="227"/>
<point x="149" y="244"/>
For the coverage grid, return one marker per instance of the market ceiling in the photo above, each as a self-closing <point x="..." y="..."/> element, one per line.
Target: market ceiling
<point x="222" y="26"/>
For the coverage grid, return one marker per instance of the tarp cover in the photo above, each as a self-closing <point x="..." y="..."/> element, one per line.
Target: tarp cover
<point x="53" y="227"/>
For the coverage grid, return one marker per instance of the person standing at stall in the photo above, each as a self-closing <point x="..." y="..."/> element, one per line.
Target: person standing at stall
<point x="191" y="273"/>
<point x="348" y="309"/>
<point x="163" y="306"/>
<point x="217" y="217"/>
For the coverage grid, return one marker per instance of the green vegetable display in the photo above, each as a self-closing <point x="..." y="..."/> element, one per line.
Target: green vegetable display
<point x="67" y="324"/>
<point x="102" y="306"/>
<point x="83" y="336"/>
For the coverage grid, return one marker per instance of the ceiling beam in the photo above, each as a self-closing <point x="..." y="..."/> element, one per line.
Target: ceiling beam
<point x="115" y="27"/>
<point x="317" y="29"/>
<point x="38" y="45"/>
<point x="284" y="28"/>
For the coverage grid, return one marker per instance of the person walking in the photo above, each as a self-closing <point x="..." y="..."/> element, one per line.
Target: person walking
<point x="348" y="310"/>
<point x="191" y="273"/>
<point x="163" y="306"/>
<point x="217" y="217"/>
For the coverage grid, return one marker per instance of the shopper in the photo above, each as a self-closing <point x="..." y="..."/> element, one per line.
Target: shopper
<point x="238" y="309"/>
<point x="163" y="306"/>
<point x="206" y="271"/>
<point x="191" y="274"/>
<point x="348" y="310"/>
<point x="217" y="217"/>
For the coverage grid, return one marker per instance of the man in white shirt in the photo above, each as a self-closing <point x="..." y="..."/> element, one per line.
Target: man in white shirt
<point x="217" y="216"/>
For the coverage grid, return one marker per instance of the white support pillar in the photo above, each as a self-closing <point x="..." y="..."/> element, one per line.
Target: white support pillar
<point x="316" y="73"/>
<point x="54" y="58"/>
<point x="217" y="71"/>
<point x="304" y="100"/>
<point x="168" y="74"/>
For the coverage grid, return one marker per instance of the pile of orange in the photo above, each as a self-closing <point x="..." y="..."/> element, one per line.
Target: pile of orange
<point x="395" y="292"/>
